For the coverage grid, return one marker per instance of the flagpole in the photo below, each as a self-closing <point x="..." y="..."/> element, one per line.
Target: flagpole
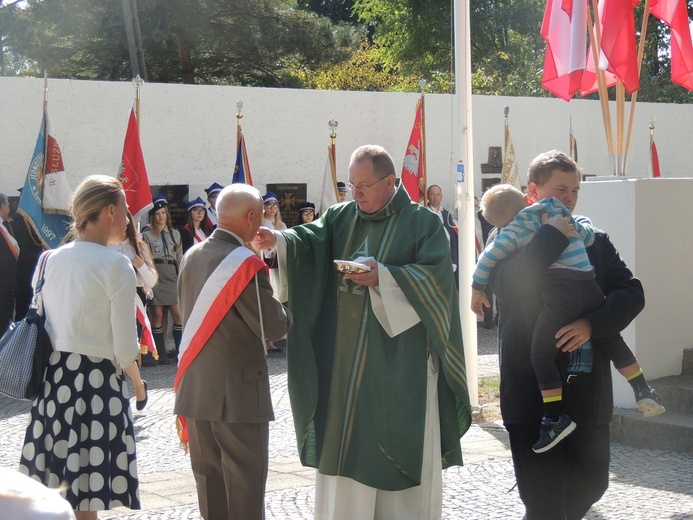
<point x="601" y="81"/>
<point x="332" y="123"/>
<point x="465" y="191"/>
<point x="620" y="115"/>
<point x="641" y="52"/>
<point x="138" y="82"/>
<point x="422" y="188"/>
<point x="45" y="131"/>
<point x="652" y="127"/>
<point x="239" y="116"/>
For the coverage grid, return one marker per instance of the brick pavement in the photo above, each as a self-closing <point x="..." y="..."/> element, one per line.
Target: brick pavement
<point x="644" y="484"/>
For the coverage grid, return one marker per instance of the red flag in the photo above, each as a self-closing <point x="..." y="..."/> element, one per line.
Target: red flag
<point x="655" y="159"/>
<point x="675" y="15"/>
<point x="132" y="172"/>
<point x="589" y="76"/>
<point x="564" y="29"/>
<point x="414" y="167"/>
<point x="618" y="42"/>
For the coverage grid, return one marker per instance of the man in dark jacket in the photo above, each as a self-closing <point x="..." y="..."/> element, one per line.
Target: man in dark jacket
<point x="562" y="483"/>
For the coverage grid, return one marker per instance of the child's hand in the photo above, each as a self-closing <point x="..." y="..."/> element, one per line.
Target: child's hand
<point x="479" y="301"/>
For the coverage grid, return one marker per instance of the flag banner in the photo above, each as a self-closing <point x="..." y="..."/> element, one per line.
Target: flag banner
<point x="52" y="227"/>
<point x="133" y="173"/>
<point x="654" y="159"/>
<point x="564" y="28"/>
<point x="329" y="195"/>
<point x="241" y="172"/>
<point x="146" y="338"/>
<point x="619" y="48"/>
<point x="589" y="76"/>
<point x="414" y="167"/>
<point x="511" y="174"/>
<point x="56" y="188"/>
<point x="573" y="148"/>
<point x="675" y="14"/>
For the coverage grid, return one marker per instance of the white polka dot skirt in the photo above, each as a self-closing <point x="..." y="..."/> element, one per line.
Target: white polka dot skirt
<point x="81" y="434"/>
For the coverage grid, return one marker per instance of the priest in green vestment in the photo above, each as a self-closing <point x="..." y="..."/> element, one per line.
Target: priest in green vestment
<point x="376" y="367"/>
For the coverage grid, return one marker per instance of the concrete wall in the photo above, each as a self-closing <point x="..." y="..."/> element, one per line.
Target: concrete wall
<point x="648" y="222"/>
<point x="188" y="131"/>
<point x="188" y="137"/>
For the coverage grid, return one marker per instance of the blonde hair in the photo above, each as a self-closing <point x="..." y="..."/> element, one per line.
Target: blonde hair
<point x="501" y="203"/>
<point x="91" y="196"/>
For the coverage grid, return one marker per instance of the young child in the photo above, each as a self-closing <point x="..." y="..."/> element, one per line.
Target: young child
<point x="569" y="290"/>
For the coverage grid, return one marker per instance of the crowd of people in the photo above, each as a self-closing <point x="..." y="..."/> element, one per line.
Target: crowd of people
<point x="376" y="367"/>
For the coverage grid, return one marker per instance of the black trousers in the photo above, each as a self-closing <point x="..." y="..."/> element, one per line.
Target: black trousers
<point x="567" y="296"/>
<point x="6" y="310"/>
<point x="563" y="483"/>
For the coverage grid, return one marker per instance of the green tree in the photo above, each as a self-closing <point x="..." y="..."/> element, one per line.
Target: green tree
<point x="248" y="42"/>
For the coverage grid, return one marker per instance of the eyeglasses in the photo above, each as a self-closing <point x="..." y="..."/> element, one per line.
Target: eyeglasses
<point x="271" y="204"/>
<point x="198" y="209"/>
<point x="363" y="185"/>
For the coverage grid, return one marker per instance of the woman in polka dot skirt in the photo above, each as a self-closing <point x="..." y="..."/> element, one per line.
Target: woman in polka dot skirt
<point x="80" y="431"/>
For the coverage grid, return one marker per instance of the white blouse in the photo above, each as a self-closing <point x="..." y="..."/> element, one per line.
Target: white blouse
<point x="146" y="276"/>
<point x="88" y="299"/>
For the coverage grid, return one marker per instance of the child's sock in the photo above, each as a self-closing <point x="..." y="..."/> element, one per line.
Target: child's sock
<point x="553" y="406"/>
<point x="637" y="381"/>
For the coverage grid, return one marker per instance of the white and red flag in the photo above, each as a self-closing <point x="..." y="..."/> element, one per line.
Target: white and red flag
<point x="619" y="49"/>
<point x="564" y="29"/>
<point x="414" y="167"/>
<point x="675" y="14"/>
<point x="133" y="173"/>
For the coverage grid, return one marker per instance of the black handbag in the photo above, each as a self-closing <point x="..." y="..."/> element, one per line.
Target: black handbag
<point x="25" y="349"/>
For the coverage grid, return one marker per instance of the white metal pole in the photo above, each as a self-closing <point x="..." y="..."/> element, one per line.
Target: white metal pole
<point x="465" y="191"/>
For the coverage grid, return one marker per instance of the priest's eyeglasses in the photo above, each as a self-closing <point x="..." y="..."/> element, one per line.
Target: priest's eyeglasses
<point x="363" y="185"/>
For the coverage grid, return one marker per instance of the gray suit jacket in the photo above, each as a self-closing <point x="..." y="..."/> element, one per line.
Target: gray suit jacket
<point x="228" y="381"/>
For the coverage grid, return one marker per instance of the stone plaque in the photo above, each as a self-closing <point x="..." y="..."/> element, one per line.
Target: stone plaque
<point x="290" y="195"/>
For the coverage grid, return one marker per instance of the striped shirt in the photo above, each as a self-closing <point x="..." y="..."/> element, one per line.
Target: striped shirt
<point x="520" y="231"/>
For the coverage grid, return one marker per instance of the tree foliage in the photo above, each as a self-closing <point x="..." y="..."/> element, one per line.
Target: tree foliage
<point x="248" y="42"/>
<point x="328" y="44"/>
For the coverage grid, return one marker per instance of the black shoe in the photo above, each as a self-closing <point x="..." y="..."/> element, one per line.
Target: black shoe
<point x="141" y="404"/>
<point x="148" y="360"/>
<point x="551" y="433"/>
<point x="163" y="358"/>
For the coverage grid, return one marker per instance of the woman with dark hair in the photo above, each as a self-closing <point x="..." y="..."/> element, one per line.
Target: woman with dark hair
<point x="80" y="430"/>
<point x="135" y="250"/>
<point x="306" y="212"/>
<point x="198" y="226"/>
<point x="165" y="244"/>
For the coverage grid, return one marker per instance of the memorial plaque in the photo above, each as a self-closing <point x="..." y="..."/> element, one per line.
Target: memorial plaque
<point x="177" y="197"/>
<point x="290" y="196"/>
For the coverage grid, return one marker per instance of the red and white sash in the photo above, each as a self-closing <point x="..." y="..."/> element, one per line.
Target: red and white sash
<point x="11" y="242"/>
<point x="146" y="337"/>
<point x="218" y="295"/>
<point x="197" y="234"/>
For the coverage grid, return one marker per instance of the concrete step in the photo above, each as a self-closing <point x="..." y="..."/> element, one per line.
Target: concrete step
<point x="670" y="431"/>
<point x="676" y="392"/>
<point x="687" y="365"/>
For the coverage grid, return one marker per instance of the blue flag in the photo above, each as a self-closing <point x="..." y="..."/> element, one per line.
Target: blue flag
<point x="241" y="173"/>
<point x="50" y="227"/>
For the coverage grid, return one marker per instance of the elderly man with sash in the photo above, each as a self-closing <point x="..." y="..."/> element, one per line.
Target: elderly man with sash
<point x="222" y="385"/>
<point x="375" y="360"/>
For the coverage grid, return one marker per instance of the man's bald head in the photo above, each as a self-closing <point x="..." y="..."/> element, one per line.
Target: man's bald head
<point x="239" y="209"/>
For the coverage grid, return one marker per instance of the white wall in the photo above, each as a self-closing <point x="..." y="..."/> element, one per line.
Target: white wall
<point x="648" y="220"/>
<point x="188" y="131"/>
<point x="188" y="136"/>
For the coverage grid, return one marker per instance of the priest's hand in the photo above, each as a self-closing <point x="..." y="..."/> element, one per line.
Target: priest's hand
<point x="264" y="239"/>
<point x="370" y="278"/>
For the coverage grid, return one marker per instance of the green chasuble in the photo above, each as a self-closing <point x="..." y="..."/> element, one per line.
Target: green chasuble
<point x="358" y="396"/>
